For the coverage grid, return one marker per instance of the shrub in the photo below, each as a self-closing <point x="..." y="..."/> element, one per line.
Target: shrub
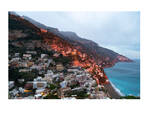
<point x="129" y="97"/>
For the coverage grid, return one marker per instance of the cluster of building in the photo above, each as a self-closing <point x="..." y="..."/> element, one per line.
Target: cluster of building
<point x="80" y="59"/>
<point x="69" y="81"/>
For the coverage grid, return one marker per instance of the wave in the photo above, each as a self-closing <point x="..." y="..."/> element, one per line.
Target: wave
<point x="116" y="89"/>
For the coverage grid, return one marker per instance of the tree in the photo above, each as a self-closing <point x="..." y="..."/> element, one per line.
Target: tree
<point x="52" y="86"/>
<point x="28" y="76"/>
<point x="51" y="96"/>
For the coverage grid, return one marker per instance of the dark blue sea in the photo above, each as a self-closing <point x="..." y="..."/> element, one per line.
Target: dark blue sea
<point x="125" y="77"/>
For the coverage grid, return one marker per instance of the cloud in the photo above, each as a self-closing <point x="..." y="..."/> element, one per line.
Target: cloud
<point x="119" y="30"/>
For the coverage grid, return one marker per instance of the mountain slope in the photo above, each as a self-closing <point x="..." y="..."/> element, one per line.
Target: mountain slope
<point x="83" y="53"/>
<point x="103" y="56"/>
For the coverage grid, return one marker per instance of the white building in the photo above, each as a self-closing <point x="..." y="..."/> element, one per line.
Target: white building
<point x="24" y="64"/>
<point x="31" y="52"/>
<point x="25" y="70"/>
<point x="20" y="80"/>
<point x="21" y="90"/>
<point x="38" y="91"/>
<point x="14" y="92"/>
<point x="15" y="59"/>
<point x="48" y="79"/>
<point x="43" y="55"/>
<point x="17" y="54"/>
<point x="50" y="61"/>
<point x="72" y="70"/>
<point x="55" y="75"/>
<point x="11" y="84"/>
<point x="50" y="72"/>
<point x="37" y="96"/>
<point x="38" y="84"/>
<point x="27" y="56"/>
<point x="38" y="78"/>
<point x="63" y="84"/>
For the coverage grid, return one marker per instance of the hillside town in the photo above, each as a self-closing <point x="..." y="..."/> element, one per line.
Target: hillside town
<point x="35" y="75"/>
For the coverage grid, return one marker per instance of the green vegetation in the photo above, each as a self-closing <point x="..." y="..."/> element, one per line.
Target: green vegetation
<point x="129" y="97"/>
<point x="28" y="76"/>
<point x="82" y="95"/>
<point x="14" y="75"/>
<point x="13" y="49"/>
<point x="51" y="96"/>
<point x="79" y="94"/>
<point x="62" y="59"/>
<point x="51" y="86"/>
<point x="40" y="51"/>
<point x="74" y="85"/>
<point x="16" y="24"/>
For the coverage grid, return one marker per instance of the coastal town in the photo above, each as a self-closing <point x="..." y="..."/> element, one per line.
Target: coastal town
<point x="43" y="65"/>
<point x="41" y="76"/>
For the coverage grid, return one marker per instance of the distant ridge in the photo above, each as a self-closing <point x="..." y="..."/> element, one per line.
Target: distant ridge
<point x="105" y="57"/>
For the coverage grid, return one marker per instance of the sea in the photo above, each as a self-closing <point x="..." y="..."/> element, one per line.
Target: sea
<point x="125" y="77"/>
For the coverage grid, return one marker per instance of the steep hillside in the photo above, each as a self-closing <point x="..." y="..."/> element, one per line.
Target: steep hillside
<point x="23" y="34"/>
<point x="103" y="56"/>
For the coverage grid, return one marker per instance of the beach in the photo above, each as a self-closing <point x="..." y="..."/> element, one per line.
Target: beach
<point x="125" y="77"/>
<point x="111" y="91"/>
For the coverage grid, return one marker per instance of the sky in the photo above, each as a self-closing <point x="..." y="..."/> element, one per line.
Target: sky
<point x="118" y="31"/>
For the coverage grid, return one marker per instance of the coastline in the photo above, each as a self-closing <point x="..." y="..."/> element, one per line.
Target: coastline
<point x="130" y="89"/>
<point x="112" y="91"/>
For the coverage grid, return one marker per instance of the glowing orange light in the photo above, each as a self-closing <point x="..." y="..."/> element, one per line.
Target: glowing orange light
<point x="43" y="30"/>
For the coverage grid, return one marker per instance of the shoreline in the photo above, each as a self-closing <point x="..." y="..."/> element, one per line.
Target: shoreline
<point x="117" y="90"/>
<point x="112" y="91"/>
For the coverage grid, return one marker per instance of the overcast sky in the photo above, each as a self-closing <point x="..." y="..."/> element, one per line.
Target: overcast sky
<point x="119" y="31"/>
